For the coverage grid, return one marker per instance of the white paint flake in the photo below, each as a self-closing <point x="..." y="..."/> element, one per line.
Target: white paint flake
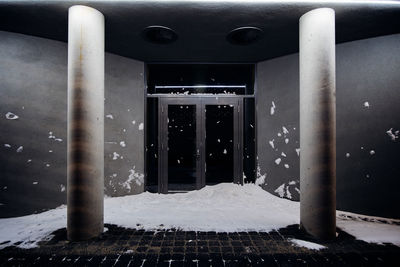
<point x="260" y="180"/>
<point x="285" y="130"/>
<point x="141" y="126"/>
<point x="134" y="176"/>
<point x="116" y="156"/>
<point x="278" y="161"/>
<point x="347" y="155"/>
<point x="286" y="166"/>
<point x="283" y="154"/>
<point x="11" y="116"/>
<point x="298" y="151"/>
<point x="271" y="143"/>
<point x="366" y="104"/>
<point x="122" y="143"/>
<point x="393" y="135"/>
<point x="7" y="145"/>
<point x="280" y="190"/>
<point x="288" y="194"/>
<point x="62" y="188"/>
<point x="372" y="152"/>
<point x="20" y="149"/>
<point x="51" y="136"/>
<point x="286" y="140"/>
<point x="110" y="116"/>
<point x="272" y="110"/>
<point x="279" y="134"/>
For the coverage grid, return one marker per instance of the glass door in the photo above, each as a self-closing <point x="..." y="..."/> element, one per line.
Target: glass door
<point x="222" y="139"/>
<point x="180" y="142"/>
<point x="200" y="142"/>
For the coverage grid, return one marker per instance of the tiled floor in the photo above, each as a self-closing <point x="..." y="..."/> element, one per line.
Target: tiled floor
<point x="130" y="247"/>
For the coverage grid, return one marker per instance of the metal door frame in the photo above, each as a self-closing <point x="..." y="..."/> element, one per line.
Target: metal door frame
<point x="200" y="102"/>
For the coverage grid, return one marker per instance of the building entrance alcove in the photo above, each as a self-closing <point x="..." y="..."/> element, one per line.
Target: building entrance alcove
<point x="200" y="126"/>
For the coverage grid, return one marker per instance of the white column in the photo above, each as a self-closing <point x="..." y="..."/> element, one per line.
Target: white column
<point x="318" y="123"/>
<point x="85" y="166"/>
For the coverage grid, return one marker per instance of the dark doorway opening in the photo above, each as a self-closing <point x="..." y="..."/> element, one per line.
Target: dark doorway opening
<point x="202" y="133"/>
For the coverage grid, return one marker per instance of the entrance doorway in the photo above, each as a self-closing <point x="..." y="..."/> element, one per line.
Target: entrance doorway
<point x="200" y="141"/>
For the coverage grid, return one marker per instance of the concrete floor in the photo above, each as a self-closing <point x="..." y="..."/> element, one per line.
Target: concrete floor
<point x="131" y="247"/>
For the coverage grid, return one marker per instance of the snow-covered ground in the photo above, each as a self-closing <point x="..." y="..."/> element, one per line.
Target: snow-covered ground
<point x="222" y="208"/>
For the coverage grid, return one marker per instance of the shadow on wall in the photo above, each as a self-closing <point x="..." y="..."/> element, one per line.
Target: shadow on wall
<point x="33" y="113"/>
<point x="368" y="144"/>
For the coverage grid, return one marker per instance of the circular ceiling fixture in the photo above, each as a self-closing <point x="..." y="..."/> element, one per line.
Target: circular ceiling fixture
<point x="244" y="35"/>
<point x="159" y="35"/>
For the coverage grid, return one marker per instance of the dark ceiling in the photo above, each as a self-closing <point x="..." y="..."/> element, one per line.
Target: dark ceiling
<point x="202" y="26"/>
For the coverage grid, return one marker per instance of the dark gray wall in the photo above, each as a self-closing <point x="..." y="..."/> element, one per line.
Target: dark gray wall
<point x="368" y="178"/>
<point x="33" y="85"/>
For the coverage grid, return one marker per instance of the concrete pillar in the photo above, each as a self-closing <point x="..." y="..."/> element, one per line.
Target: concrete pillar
<point x="85" y="166"/>
<point x="318" y="123"/>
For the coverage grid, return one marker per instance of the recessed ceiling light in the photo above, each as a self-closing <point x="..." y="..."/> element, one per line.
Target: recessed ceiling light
<point x="159" y="35"/>
<point x="244" y="35"/>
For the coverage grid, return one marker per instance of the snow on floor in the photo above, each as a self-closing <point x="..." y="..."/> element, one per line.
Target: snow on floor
<point x="222" y="208"/>
<point x="369" y="228"/>
<point x="306" y="244"/>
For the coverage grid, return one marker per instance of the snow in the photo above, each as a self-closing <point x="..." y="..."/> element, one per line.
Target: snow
<point x="347" y="155"/>
<point x="11" y="116"/>
<point x="372" y="152"/>
<point x="298" y="151"/>
<point x="278" y="161"/>
<point x="122" y="144"/>
<point x="286" y="140"/>
<point x="20" y="149"/>
<point x="7" y="145"/>
<point x="372" y="230"/>
<point x="366" y="104"/>
<point x="110" y="116"/>
<point x="213" y="208"/>
<point x="306" y="244"/>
